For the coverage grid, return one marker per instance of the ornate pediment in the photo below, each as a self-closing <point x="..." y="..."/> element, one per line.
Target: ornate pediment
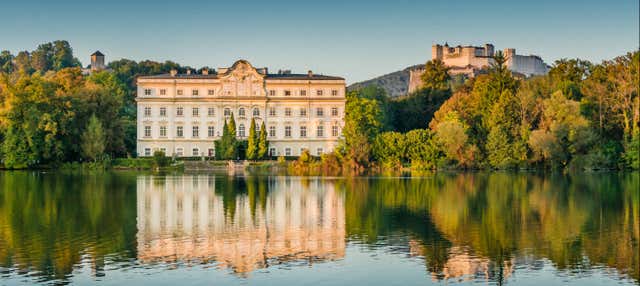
<point x="242" y="79"/>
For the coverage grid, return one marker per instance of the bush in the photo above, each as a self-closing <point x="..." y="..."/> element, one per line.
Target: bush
<point x="160" y="159"/>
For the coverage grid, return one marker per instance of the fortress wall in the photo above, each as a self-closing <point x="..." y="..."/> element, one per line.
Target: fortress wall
<point x="527" y="65"/>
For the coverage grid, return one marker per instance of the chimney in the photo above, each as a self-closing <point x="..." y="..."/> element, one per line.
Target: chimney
<point x="205" y="71"/>
<point x="173" y="72"/>
<point x="310" y="73"/>
<point x="188" y="71"/>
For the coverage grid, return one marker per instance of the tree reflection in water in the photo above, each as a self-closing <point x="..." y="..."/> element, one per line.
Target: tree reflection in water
<point x="465" y="226"/>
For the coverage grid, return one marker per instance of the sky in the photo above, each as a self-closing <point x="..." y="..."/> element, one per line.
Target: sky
<point x="357" y="40"/>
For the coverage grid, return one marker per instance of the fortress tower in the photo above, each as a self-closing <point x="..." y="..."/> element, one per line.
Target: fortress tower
<point x="97" y="61"/>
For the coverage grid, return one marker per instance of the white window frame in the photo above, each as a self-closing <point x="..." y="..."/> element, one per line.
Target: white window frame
<point x="287" y="131"/>
<point x="195" y="131"/>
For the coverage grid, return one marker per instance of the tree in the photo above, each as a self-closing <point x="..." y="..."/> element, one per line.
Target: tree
<point x="93" y="139"/>
<point x="253" y="142"/>
<point x="436" y="75"/>
<point x="227" y="145"/>
<point x="365" y="118"/>
<point x="262" y="142"/>
<point x="62" y="56"/>
<point x="416" y="110"/>
<point x="389" y="149"/>
<point x="6" y="62"/>
<point x="452" y="137"/>
<point x="422" y="150"/>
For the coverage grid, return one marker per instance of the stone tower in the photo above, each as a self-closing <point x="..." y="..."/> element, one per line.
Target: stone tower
<point x="97" y="61"/>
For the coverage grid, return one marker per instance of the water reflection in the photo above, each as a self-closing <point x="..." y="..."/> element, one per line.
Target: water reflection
<point x="460" y="227"/>
<point x="191" y="218"/>
<point x="479" y="226"/>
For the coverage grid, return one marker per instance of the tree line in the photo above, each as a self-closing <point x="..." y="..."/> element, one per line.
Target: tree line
<point x="51" y="113"/>
<point x="579" y="116"/>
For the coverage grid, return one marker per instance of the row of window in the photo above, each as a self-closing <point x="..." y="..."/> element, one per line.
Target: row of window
<point x="271" y="92"/>
<point x="195" y="152"/>
<point x="195" y="131"/>
<point x="195" y="111"/>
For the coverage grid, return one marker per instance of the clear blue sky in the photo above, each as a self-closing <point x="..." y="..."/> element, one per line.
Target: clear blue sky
<point x="354" y="39"/>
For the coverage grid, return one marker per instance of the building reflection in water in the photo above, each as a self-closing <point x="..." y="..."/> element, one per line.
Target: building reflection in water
<point x="201" y="219"/>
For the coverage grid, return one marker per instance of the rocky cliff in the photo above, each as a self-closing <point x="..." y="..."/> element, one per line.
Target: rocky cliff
<point x="395" y="83"/>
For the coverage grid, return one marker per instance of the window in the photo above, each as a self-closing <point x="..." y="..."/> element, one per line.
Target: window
<point x="211" y="152"/>
<point x="163" y="112"/>
<point x="287" y="151"/>
<point x="334" y="131"/>
<point x="195" y="152"/>
<point x="272" y="151"/>
<point x="303" y="112"/>
<point x="179" y="131"/>
<point x="227" y="112"/>
<point x="147" y="91"/>
<point x="320" y="131"/>
<point x="334" y="92"/>
<point x="272" y="131"/>
<point x="147" y="131"/>
<point x="164" y="151"/>
<point x="287" y="93"/>
<point x="303" y="131"/>
<point x="303" y="93"/>
<point x="211" y="92"/>
<point x="319" y="151"/>
<point x="256" y="112"/>
<point x="272" y="111"/>
<point x="334" y="111"/>
<point x="194" y="92"/>
<point x="163" y="92"/>
<point x="319" y="111"/>
<point x="179" y="152"/>
<point x="195" y="131"/>
<point x="287" y="131"/>
<point x="163" y="131"/>
<point x="147" y="112"/>
<point x="147" y="151"/>
<point x="210" y="131"/>
<point x="195" y="112"/>
<point x="179" y="111"/>
<point x="241" y="130"/>
<point x="211" y="111"/>
<point x="272" y="92"/>
<point x="179" y="91"/>
<point x="241" y="112"/>
<point x="319" y="92"/>
<point x="287" y="111"/>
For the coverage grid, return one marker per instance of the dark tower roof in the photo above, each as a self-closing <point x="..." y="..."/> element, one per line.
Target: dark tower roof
<point x="97" y="53"/>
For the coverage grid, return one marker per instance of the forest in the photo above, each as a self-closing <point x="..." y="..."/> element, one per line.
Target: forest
<point x="581" y="115"/>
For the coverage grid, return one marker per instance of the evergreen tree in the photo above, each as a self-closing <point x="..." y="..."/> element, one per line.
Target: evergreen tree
<point x="252" y="144"/>
<point x="262" y="142"/>
<point x="93" y="139"/>
<point x="220" y="144"/>
<point x="230" y="151"/>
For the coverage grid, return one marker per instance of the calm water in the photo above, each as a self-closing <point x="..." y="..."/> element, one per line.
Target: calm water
<point x="132" y="228"/>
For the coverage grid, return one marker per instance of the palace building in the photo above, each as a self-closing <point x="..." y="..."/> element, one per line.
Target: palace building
<point x="183" y="114"/>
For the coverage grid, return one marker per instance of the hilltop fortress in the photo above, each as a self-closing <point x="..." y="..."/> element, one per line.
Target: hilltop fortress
<point x="471" y="60"/>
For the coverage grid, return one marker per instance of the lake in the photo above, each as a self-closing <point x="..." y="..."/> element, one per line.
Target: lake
<point x="490" y="228"/>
